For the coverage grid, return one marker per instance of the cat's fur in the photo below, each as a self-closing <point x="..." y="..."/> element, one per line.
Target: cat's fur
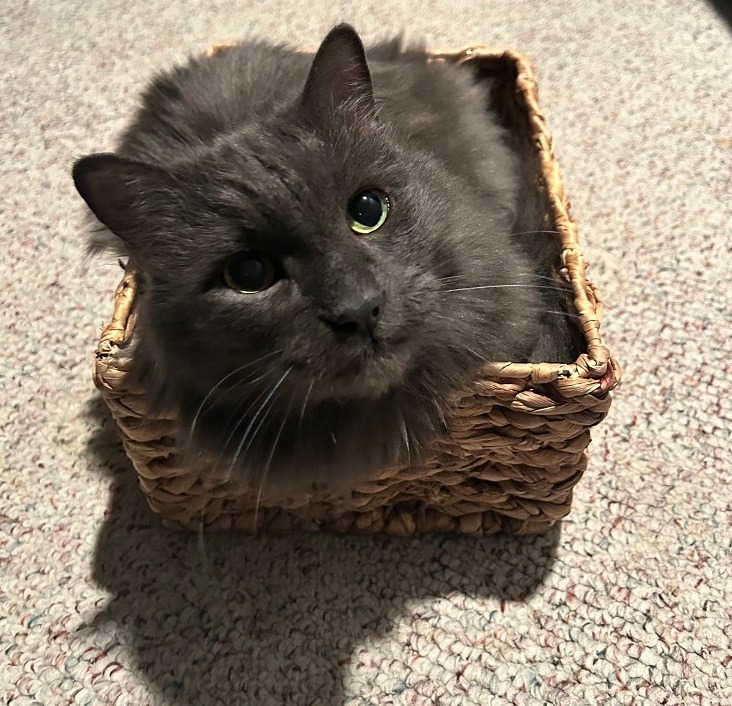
<point x="235" y="152"/>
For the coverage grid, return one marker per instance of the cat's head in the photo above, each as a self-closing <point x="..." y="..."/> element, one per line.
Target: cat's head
<point x="315" y="250"/>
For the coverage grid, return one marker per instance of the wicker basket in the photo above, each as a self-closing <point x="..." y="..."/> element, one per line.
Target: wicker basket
<point x="519" y="436"/>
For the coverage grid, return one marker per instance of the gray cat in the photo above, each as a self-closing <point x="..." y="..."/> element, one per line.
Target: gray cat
<point x="329" y="249"/>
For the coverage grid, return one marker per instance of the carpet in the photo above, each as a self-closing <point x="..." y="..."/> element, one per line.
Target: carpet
<point x="628" y="601"/>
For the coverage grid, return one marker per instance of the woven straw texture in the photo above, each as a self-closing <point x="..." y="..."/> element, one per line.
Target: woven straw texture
<point x="518" y="439"/>
<point x="625" y="602"/>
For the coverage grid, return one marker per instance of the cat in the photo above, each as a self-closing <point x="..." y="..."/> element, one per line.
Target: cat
<point x="328" y="249"/>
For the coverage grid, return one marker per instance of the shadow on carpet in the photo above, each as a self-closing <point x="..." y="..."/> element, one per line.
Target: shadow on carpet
<point x="278" y="620"/>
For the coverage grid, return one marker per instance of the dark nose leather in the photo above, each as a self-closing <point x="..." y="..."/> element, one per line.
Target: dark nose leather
<point x="358" y="315"/>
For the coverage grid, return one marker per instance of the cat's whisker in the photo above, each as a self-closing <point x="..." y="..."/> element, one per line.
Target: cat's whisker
<point x="479" y="357"/>
<point x="221" y="382"/>
<point x="254" y="419"/>
<point x="550" y="312"/>
<point x="307" y="397"/>
<point x="553" y="312"/>
<point x="529" y="275"/>
<point x="496" y="286"/>
<point x="268" y="463"/>
<point x="451" y="319"/>
<point x="247" y="381"/>
<point x="238" y="423"/>
<point x="405" y="434"/>
<point x="236" y="416"/>
<point x="536" y="232"/>
<point x="305" y="405"/>
<point x="256" y="431"/>
<point x="231" y="423"/>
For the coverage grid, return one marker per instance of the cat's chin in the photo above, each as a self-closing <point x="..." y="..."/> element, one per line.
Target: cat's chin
<point x="363" y="387"/>
<point x="375" y="378"/>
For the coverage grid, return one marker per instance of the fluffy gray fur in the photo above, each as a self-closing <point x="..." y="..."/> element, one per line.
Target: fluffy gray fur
<point x="260" y="148"/>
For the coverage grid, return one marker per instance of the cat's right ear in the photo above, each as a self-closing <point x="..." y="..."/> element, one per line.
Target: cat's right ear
<point x="118" y="191"/>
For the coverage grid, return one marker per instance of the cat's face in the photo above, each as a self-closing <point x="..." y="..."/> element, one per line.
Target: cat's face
<point x="252" y="249"/>
<point x="316" y="255"/>
<point x="262" y="254"/>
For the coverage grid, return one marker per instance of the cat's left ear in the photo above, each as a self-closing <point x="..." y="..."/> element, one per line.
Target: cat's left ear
<point x="339" y="74"/>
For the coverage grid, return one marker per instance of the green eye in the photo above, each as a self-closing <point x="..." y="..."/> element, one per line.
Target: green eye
<point x="367" y="211"/>
<point x="250" y="272"/>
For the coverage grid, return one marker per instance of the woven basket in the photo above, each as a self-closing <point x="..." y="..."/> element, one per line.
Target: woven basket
<point x="518" y="437"/>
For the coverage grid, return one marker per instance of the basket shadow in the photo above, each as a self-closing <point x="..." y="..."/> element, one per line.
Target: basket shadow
<point x="275" y="620"/>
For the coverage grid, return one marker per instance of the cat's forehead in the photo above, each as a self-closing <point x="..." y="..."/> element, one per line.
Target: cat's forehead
<point x="302" y="162"/>
<point x="287" y="190"/>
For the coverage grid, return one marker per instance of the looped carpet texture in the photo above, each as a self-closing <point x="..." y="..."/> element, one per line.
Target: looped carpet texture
<point x="624" y="601"/>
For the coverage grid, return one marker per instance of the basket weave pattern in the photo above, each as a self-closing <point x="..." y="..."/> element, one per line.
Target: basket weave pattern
<point x="518" y="437"/>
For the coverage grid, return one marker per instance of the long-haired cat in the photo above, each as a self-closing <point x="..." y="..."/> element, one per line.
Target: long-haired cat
<point x="328" y="249"/>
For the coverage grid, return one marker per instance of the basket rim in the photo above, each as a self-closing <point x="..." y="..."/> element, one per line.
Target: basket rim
<point x="596" y="363"/>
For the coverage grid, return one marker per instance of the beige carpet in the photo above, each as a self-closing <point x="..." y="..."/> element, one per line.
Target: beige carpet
<point x="629" y="602"/>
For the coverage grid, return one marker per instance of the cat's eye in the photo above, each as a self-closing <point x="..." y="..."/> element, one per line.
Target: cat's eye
<point x="367" y="211"/>
<point x="250" y="272"/>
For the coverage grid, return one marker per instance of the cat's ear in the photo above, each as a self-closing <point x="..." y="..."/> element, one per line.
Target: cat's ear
<point x="119" y="191"/>
<point x="339" y="74"/>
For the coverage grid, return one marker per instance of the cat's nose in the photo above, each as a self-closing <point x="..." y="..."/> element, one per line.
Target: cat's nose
<point x="359" y="315"/>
